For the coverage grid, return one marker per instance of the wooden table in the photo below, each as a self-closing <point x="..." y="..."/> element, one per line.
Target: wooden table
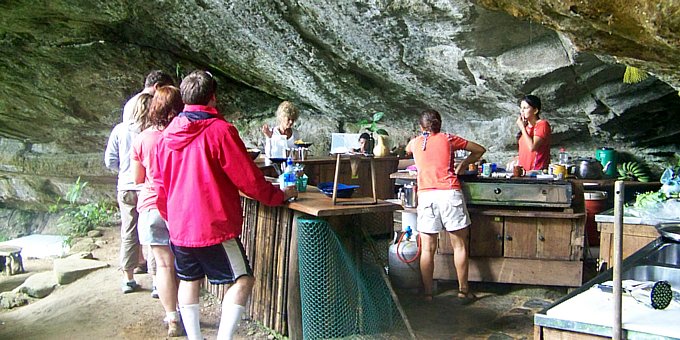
<point x="269" y="237"/>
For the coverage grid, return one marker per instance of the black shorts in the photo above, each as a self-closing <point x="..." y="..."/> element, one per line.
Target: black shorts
<point x="222" y="263"/>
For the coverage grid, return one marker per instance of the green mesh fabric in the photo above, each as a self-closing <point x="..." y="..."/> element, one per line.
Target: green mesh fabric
<point x="341" y="299"/>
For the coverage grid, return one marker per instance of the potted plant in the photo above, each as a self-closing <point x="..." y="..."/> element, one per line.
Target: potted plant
<point x="371" y="125"/>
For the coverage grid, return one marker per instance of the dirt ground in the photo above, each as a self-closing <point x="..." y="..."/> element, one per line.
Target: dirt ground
<point x="93" y="307"/>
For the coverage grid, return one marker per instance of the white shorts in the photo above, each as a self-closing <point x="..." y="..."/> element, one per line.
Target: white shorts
<point x="152" y="229"/>
<point x="442" y="209"/>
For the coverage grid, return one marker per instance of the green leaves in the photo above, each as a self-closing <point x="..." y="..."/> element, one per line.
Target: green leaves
<point x="372" y="124"/>
<point x="77" y="219"/>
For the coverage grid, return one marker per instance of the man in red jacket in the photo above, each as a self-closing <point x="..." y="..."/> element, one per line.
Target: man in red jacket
<point x="201" y="164"/>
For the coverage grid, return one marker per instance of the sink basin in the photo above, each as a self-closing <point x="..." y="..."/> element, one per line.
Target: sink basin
<point x="653" y="273"/>
<point x="667" y="253"/>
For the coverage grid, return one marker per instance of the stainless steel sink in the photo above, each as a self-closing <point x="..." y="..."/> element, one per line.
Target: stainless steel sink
<point x="653" y="273"/>
<point x="667" y="253"/>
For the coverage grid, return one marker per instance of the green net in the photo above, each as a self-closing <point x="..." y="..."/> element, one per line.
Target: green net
<point x="343" y="294"/>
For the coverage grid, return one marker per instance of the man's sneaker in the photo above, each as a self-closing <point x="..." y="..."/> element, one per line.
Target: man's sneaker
<point x="154" y="292"/>
<point x="129" y="286"/>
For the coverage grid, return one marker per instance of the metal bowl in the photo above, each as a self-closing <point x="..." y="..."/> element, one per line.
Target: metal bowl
<point x="303" y="145"/>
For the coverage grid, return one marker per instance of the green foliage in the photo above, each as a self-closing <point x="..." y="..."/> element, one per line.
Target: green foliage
<point x="649" y="199"/>
<point x="372" y="124"/>
<point x="634" y="75"/>
<point x="179" y="73"/>
<point x="77" y="219"/>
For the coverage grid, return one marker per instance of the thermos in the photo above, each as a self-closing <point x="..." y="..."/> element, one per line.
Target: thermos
<point x="411" y="195"/>
<point x="607" y="157"/>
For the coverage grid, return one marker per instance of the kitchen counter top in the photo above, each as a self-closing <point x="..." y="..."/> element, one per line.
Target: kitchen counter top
<point x="608" y="217"/>
<point x="590" y="311"/>
<point x="315" y="203"/>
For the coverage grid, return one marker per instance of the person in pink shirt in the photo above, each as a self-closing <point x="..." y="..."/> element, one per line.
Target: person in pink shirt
<point x="153" y="231"/>
<point x="441" y="205"/>
<point x="534" y="135"/>
<point x="201" y="164"/>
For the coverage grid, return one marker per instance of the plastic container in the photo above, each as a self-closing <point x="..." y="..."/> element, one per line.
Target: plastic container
<point x="596" y="202"/>
<point x="563" y="157"/>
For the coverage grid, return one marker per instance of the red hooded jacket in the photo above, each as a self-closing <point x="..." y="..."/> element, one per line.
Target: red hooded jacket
<point x="200" y="167"/>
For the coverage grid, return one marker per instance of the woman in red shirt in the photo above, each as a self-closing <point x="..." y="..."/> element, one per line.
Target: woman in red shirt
<point x="534" y="135"/>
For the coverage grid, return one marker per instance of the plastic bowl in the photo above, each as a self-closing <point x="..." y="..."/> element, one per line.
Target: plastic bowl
<point x="344" y="190"/>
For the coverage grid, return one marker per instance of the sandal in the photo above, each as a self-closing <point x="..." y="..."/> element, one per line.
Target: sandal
<point x="465" y="297"/>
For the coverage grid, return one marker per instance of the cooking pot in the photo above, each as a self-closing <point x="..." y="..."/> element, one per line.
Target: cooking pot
<point x="669" y="230"/>
<point x="587" y="168"/>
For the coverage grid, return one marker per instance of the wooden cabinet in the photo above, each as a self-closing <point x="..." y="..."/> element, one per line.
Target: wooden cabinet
<point x="635" y="236"/>
<point x="516" y="237"/>
<point x="486" y="233"/>
<point x="519" y="246"/>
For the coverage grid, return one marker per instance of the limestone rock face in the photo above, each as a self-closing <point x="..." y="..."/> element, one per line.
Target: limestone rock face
<point x="68" y="68"/>
<point x="643" y="33"/>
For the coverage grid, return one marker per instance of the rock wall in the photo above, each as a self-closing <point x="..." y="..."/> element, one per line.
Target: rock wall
<point x="67" y="67"/>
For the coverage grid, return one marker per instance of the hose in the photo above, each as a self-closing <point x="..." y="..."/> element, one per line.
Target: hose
<point x="401" y="258"/>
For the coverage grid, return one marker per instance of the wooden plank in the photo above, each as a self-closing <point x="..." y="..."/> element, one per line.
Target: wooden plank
<point x="523" y="212"/>
<point x="317" y="204"/>
<point x="643" y="230"/>
<point x="513" y="270"/>
<point x="486" y="235"/>
<point x="520" y="237"/>
<point x="294" y="307"/>
<point x="554" y="239"/>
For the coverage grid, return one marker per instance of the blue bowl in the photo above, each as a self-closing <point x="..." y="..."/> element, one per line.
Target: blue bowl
<point x="344" y="191"/>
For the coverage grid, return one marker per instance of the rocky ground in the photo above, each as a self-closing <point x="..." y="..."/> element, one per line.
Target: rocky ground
<point x="93" y="307"/>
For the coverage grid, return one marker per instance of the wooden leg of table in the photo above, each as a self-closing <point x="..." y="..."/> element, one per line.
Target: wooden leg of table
<point x="294" y="303"/>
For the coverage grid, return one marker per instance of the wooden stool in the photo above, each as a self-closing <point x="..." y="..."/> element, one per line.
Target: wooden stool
<point x="15" y="264"/>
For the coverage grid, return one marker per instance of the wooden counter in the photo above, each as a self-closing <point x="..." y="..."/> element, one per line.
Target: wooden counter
<point x="527" y="245"/>
<point x="322" y="169"/>
<point x="270" y="240"/>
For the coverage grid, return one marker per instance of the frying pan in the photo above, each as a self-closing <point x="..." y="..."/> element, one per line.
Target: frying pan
<point x="670" y="231"/>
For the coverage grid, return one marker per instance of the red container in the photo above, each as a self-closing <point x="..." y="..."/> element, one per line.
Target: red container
<point x="595" y="203"/>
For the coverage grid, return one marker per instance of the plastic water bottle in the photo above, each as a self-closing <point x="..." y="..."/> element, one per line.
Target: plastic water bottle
<point x="563" y="157"/>
<point x="289" y="177"/>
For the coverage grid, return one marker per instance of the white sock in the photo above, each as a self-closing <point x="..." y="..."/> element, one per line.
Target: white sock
<point x="171" y="316"/>
<point x="191" y="321"/>
<point x="231" y="315"/>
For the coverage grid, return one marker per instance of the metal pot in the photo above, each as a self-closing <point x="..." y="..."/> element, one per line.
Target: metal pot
<point x="587" y="168"/>
<point x="670" y="231"/>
